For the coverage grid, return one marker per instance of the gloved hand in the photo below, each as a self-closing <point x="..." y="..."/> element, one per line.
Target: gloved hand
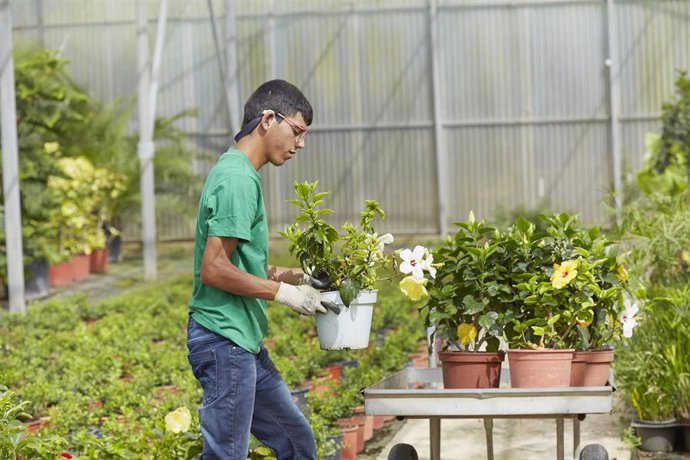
<point x="322" y="281"/>
<point x="304" y="299"/>
<point x="319" y="282"/>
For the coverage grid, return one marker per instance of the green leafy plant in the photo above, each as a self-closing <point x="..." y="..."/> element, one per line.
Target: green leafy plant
<point x="644" y="365"/>
<point x="471" y="297"/>
<point x="352" y="260"/>
<point x="14" y="438"/>
<point x="668" y="154"/>
<point x="570" y="283"/>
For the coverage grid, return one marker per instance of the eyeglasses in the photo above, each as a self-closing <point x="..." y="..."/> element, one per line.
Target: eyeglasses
<point x="298" y="130"/>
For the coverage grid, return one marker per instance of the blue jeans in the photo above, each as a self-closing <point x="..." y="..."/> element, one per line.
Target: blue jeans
<point x="243" y="393"/>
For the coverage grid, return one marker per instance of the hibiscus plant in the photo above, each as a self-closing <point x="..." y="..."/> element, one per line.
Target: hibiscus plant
<point x="470" y="298"/>
<point x="351" y="260"/>
<point x="572" y="286"/>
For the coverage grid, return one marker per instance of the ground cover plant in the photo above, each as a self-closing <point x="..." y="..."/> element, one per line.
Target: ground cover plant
<point x="110" y="380"/>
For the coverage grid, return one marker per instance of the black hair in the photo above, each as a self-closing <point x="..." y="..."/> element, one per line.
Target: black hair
<point x="279" y="96"/>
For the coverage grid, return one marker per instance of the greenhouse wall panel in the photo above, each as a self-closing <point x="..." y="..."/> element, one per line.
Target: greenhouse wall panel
<point x="523" y="91"/>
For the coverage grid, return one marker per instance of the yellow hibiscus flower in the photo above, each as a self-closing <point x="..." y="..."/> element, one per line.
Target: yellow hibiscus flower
<point x="621" y="273"/>
<point x="467" y="333"/>
<point x="563" y="273"/>
<point x="413" y="289"/>
<point x="178" y="420"/>
<point x="51" y="147"/>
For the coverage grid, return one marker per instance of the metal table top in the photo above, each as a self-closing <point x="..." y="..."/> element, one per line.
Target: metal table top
<point x="419" y="393"/>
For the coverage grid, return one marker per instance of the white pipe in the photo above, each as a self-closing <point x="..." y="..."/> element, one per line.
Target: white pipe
<point x="145" y="148"/>
<point x="10" y="166"/>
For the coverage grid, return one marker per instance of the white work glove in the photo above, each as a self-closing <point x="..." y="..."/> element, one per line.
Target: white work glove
<point x="304" y="299"/>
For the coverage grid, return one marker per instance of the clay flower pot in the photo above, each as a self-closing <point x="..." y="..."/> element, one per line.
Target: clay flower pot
<point x="544" y="368"/>
<point x="463" y="369"/>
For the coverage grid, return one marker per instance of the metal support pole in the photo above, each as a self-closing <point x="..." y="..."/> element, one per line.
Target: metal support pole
<point x="614" y="92"/>
<point x="146" y="148"/>
<point x="489" y="431"/>
<point x="576" y="435"/>
<point x="232" y="85"/>
<point x="435" y="437"/>
<point x="560" y="443"/>
<point x="10" y="166"/>
<point x="224" y="64"/>
<point x="441" y="159"/>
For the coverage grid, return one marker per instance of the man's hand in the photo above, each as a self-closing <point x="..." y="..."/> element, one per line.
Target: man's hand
<point x="304" y="299"/>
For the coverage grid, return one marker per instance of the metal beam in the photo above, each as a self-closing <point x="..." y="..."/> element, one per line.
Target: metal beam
<point x="439" y="140"/>
<point x="232" y="84"/>
<point x="10" y="166"/>
<point x="614" y="92"/>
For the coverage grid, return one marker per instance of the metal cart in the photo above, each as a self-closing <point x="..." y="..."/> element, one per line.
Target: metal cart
<point x="419" y="393"/>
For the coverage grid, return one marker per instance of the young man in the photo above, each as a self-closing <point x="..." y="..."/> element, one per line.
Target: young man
<point x="242" y="390"/>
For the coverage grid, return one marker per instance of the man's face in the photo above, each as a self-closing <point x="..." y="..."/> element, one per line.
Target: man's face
<point x="285" y="138"/>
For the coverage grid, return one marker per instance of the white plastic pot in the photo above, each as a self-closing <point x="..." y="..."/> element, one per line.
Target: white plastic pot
<point x="349" y="329"/>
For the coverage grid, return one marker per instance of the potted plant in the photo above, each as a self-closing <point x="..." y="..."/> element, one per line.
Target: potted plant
<point x="470" y="300"/>
<point x="570" y="284"/>
<point x="644" y="373"/>
<point x="353" y="262"/>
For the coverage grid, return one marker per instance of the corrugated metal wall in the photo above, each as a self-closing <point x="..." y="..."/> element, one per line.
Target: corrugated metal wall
<point x="524" y="92"/>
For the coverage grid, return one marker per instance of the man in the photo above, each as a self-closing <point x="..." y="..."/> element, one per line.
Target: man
<point x="242" y="390"/>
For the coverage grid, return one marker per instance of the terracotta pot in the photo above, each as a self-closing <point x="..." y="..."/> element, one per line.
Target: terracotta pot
<point x="379" y="420"/>
<point x="597" y="370"/>
<point x="359" y="423"/>
<point x="163" y="390"/>
<point x="540" y="368"/>
<point x="577" y="369"/>
<point x="335" y="370"/>
<point x="320" y="386"/>
<point x="60" y="274"/>
<point x="368" y="422"/>
<point x="98" y="260"/>
<point x="463" y="369"/>
<point x="350" y="440"/>
<point x="38" y="423"/>
<point x="80" y="264"/>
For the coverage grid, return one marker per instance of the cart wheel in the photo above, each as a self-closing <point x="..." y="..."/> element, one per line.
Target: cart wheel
<point x="594" y="452"/>
<point x="403" y="452"/>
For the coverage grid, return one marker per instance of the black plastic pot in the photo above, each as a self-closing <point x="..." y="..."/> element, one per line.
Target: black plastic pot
<point x="656" y="436"/>
<point x="37" y="284"/>
<point x="339" y="442"/>
<point x="299" y="395"/>
<point x="686" y="437"/>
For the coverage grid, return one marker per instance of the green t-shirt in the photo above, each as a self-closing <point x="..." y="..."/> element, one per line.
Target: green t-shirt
<point x="232" y="205"/>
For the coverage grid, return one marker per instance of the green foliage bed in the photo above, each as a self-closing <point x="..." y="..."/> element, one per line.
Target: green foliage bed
<point x="101" y="377"/>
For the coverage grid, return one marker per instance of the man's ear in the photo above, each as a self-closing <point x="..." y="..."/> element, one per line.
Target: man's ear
<point x="268" y="116"/>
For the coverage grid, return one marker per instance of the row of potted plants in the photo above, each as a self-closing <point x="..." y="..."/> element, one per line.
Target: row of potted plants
<point x="79" y="170"/>
<point x="562" y="291"/>
<point x="654" y="370"/>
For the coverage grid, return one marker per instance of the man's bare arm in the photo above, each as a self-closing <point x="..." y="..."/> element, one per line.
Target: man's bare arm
<point x="219" y="272"/>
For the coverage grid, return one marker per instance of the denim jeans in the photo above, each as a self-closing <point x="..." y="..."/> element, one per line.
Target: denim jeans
<point x="243" y="393"/>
